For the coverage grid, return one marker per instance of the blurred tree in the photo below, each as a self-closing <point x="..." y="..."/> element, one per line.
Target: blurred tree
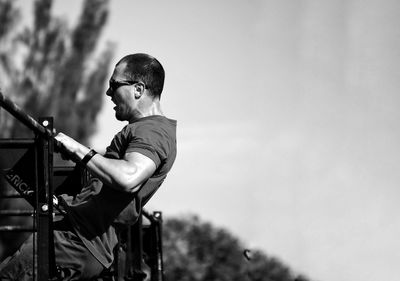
<point x="49" y="69"/>
<point x="198" y="251"/>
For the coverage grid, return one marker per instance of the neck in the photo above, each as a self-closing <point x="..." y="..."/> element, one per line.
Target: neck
<point x="149" y="109"/>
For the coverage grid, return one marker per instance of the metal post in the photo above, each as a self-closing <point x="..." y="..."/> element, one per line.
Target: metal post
<point x="135" y="252"/>
<point x="157" y="222"/>
<point x="45" y="244"/>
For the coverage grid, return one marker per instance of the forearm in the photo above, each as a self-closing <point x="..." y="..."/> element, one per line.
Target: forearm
<point x="116" y="173"/>
<point x="119" y="174"/>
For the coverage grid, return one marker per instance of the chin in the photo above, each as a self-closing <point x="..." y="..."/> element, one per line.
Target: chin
<point x="120" y="117"/>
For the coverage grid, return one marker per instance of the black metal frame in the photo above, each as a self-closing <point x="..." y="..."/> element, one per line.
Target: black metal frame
<point x="43" y="214"/>
<point x="16" y="144"/>
<point x="152" y="243"/>
<point x="140" y="246"/>
<point x="141" y="239"/>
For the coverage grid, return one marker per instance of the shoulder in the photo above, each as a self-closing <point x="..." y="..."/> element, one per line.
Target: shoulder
<point x="155" y="135"/>
<point x="152" y="124"/>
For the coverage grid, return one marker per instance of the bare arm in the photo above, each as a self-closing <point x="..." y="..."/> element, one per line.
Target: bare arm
<point x="126" y="174"/>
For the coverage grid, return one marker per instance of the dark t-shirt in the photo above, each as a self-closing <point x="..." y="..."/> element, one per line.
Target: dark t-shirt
<point x="93" y="213"/>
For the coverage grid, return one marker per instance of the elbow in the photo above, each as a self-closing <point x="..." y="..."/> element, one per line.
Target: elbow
<point x="131" y="180"/>
<point x="128" y="184"/>
<point x="124" y="186"/>
<point x="129" y="188"/>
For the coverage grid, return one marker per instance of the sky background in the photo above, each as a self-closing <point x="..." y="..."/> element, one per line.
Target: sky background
<point x="288" y="115"/>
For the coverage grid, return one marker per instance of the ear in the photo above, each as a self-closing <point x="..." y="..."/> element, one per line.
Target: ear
<point x="138" y="89"/>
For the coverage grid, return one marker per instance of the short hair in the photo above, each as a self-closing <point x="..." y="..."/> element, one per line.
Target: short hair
<point x="147" y="69"/>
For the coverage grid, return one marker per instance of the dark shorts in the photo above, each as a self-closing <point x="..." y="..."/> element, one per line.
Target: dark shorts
<point x="72" y="258"/>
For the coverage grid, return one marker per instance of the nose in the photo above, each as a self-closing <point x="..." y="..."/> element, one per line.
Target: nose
<point x="109" y="92"/>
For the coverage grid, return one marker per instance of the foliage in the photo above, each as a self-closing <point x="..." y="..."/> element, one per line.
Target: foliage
<point x="49" y="70"/>
<point x="194" y="250"/>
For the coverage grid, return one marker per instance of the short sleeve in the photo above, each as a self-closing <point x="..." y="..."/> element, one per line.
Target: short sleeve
<point x="147" y="140"/>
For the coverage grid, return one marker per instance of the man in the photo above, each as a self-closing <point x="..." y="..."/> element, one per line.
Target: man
<point x="132" y="169"/>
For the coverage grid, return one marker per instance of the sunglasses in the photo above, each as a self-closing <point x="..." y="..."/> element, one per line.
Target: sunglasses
<point x="114" y="85"/>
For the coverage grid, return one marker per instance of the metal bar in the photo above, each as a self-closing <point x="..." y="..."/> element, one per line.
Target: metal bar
<point x="151" y="217"/>
<point x="16" y="228"/>
<point x="50" y="192"/>
<point x="10" y="196"/>
<point x="42" y="209"/>
<point x="16" y="213"/>
<point x="157" y="217"/>
<point x="16" y="143"/>
<point x="24" y="118"/>
<point x="27" y="120"/>
<point x="135" y="252"/>
<point x="46" y="262"/>
<point x="35" y="220"/>
<point x="63" y="170"/>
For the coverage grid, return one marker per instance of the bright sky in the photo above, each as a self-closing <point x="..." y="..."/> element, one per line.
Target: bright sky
<point x="288" y="117"/>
